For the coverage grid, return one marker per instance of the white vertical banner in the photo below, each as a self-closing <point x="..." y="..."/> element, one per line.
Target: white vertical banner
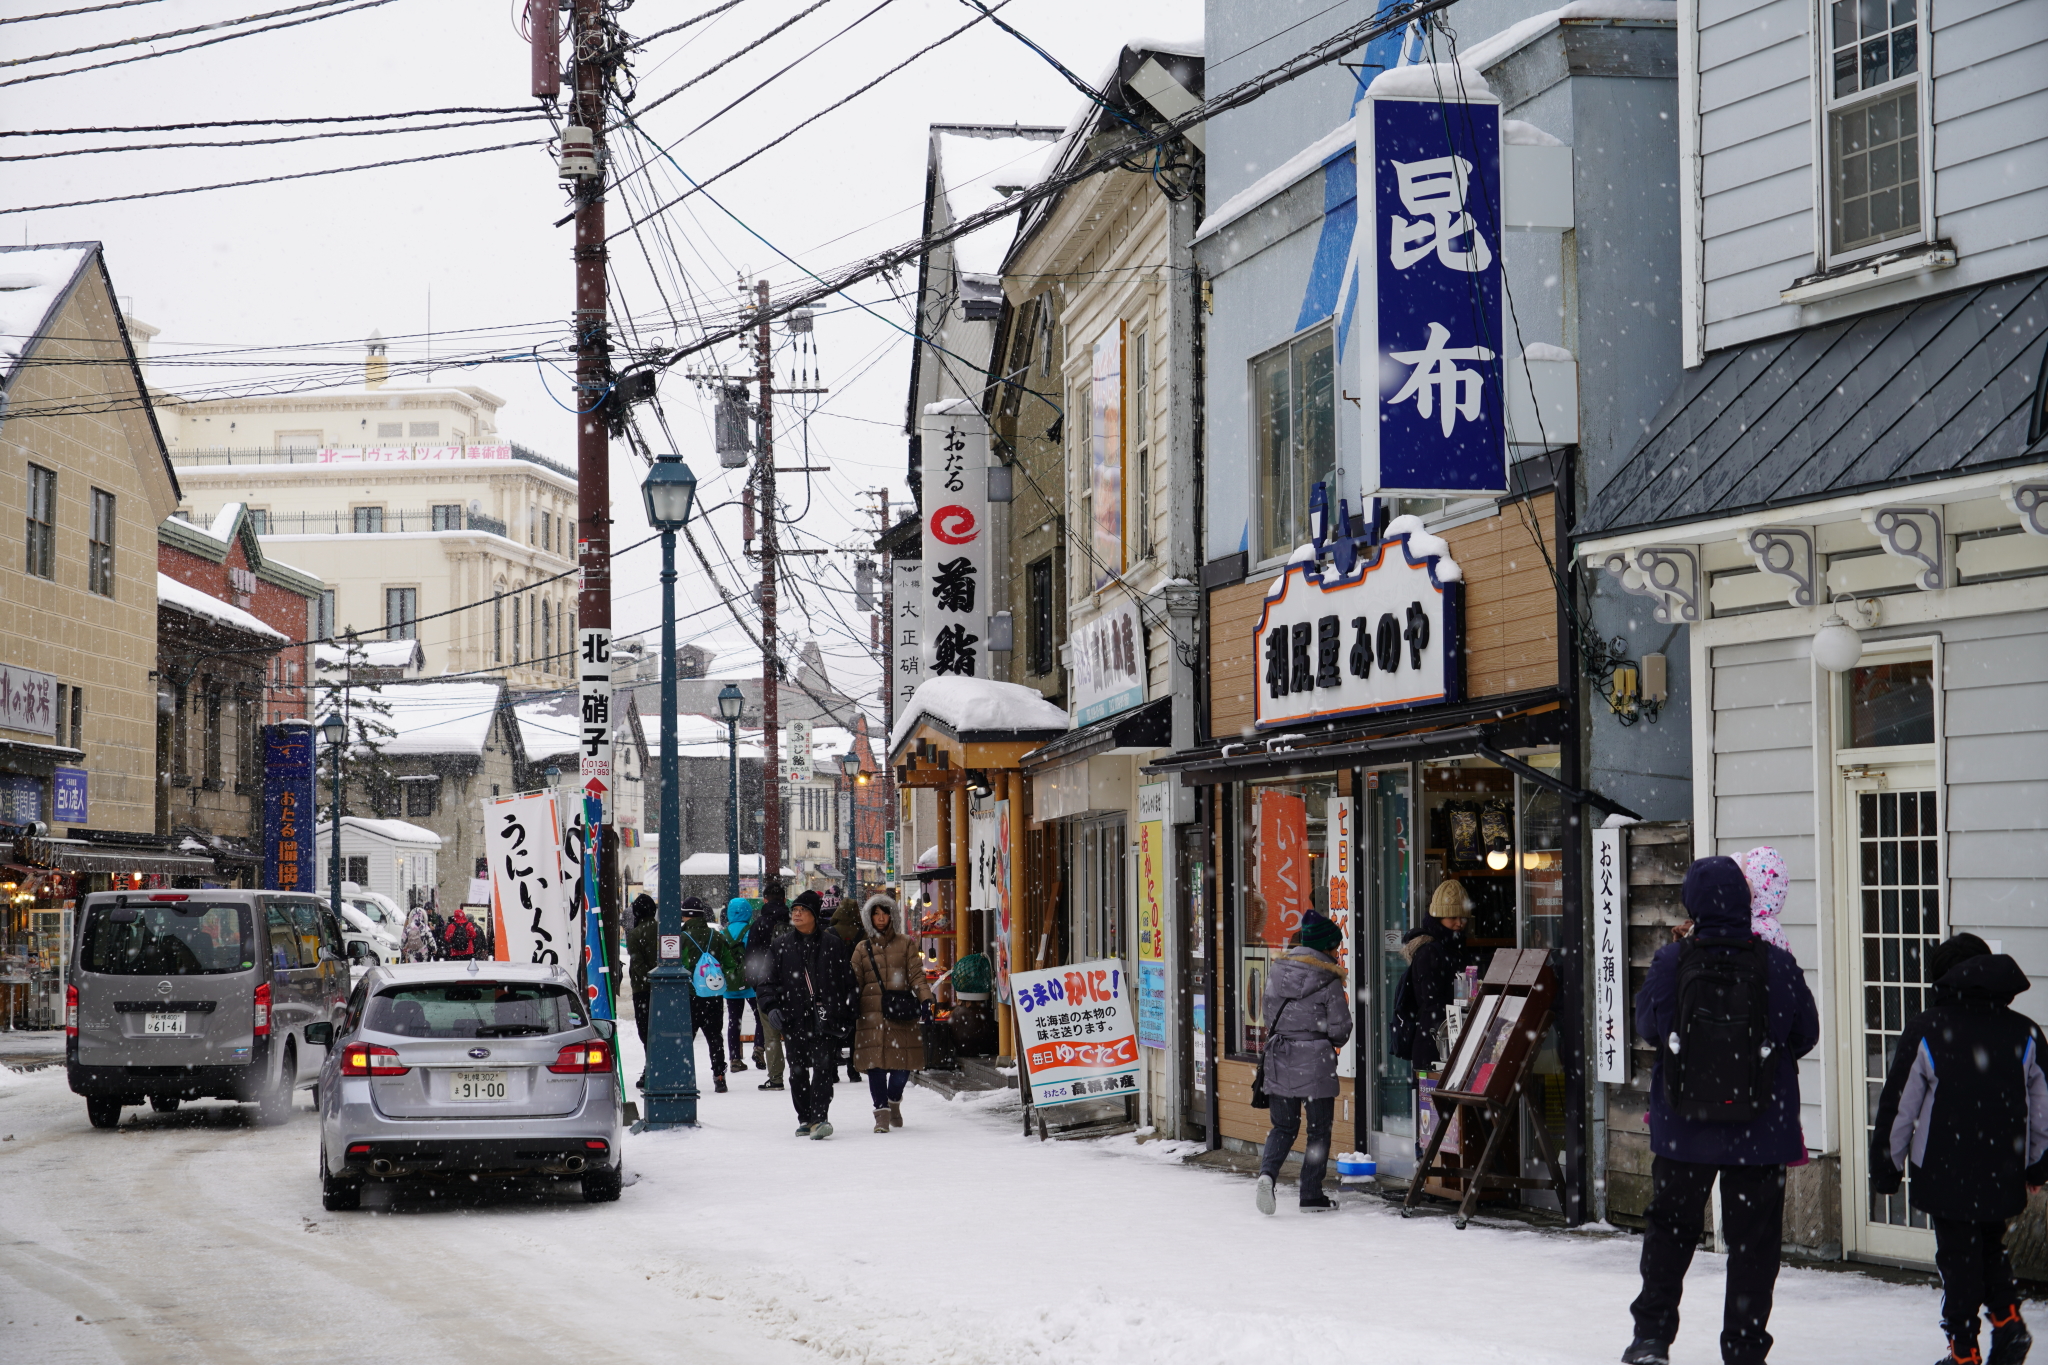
<point x="529" y="888"/>
<point x="1343" y="895"/>
<point x="981" y="849"/>
<point x="594" y="716"/>
<point x="796" y="764"/>
<point x="1610" y="957"/>
<point x="906" y="628"/>
<point x="956" y="541"/>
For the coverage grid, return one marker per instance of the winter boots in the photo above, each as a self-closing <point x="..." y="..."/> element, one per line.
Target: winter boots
<point x="881" y="1120"/>
<point x="896" y="1121"/>
<point x="820" y="1131"/>
<point x="1643" y="1351"/>
<point x="718" y="1084"/>
<point x="1961" y="1351"/>
<point x="1265" y="1194"/>
<point x="2010" y="1339"/>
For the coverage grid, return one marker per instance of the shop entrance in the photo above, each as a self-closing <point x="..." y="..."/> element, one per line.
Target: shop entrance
<point x="1092" y="852"/>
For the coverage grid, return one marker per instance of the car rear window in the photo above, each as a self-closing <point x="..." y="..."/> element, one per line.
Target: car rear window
<point x="167" y="938"/>
<point x="474" y="1009"/>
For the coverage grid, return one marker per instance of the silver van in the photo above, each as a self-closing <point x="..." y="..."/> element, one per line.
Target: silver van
<point x="178" y="995"/>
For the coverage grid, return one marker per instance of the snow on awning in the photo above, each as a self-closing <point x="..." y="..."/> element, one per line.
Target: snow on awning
<point x="977" y="704"/>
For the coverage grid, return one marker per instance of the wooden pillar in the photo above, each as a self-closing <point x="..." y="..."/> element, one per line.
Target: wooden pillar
<point x="963" y="858"/>
<point x="1012" y="791"/>
<point x="942" y="892"/>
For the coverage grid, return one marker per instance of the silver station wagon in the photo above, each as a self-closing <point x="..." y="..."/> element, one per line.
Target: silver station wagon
<point x="464" y="1071"/>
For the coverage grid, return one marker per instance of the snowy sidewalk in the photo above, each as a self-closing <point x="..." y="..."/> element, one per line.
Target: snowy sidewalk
<point x="956" y="1241"/>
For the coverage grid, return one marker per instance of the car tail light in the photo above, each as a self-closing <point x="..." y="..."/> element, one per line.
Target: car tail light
<point x="359" y="1149"/>
<point x="170" y="896"/>
<point x="71" y="1011"/>
<point x="597" y="1144"/>
<point x="580" y="1058"/>
<point x="263" y="1010"/>
<point x="371" y="1059"/>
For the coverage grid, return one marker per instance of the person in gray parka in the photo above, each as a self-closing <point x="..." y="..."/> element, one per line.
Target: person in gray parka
<point x="1308" y="1019"/>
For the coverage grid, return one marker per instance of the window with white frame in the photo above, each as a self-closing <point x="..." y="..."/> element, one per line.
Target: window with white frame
<point x="1875" y="110"/>
<point x="1294" y="434"/>
<point x="1139" y="420"/>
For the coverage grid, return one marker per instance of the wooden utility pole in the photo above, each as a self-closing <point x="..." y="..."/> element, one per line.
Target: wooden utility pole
<point x="771" y="684"/>
<point x="593" y="348"/>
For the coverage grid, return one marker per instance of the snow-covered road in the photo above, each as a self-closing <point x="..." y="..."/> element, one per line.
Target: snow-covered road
<point x="198" y="1237"/>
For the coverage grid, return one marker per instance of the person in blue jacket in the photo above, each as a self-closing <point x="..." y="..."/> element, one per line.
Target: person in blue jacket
<point x="739" y="913"/>
<point x="1688" y="1155"/>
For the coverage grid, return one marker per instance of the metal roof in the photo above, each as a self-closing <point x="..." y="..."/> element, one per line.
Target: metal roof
<point x="1921" y="391"/>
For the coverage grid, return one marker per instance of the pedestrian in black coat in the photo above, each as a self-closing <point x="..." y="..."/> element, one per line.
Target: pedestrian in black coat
<point x="1436" y="953"/>
<point x="1965" y="1109"/>
<point x="809" y="998"/>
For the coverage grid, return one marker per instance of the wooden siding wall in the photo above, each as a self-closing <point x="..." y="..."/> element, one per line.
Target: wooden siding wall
<point x="1764" y="733"/>
<point x="1234" y="656"/>
<point x="1759" y="186"/>
<point x="1236" y="1117"/>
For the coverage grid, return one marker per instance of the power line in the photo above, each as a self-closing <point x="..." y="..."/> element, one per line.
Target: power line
<point x="67" y="13"/>
<point x="170" y="33"/>
<point x="273" y="141"/>
<point x="275" y="179"/>
<point x="194" y="47"/>
<point x="638" y="43"/>
<point x="260" y="122"/>
<point x="718" y="66"/>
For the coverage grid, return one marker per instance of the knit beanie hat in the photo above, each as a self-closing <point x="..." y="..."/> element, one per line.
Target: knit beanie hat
<point x="644" y="908"/>
<point x="1321" y="934"/>
<point x="1450" y="901"/>
<point x="692" y="906"/>
<point x="810" y="900"/>
<point x="1951" y="953"/>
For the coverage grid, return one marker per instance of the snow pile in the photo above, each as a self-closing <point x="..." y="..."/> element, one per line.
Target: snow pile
<point x="718" y="865"/>
<point x="1517" y="133"/>
<point x="1421" y="543"/>
<point x="171" y="592"/>
<point x="30" y="283"/>
<point x="369" y="654"/>
<point x="1543" y="350"/>
<point x="435" y="718"/>
<point x="1487" y="51"/>
<point x="398" y="831"/>
<point x="1432" y="80"/>
<point x="963" y="704"/>
<point x="1333" y="143"/>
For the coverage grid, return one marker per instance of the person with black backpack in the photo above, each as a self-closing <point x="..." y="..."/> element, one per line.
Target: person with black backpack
<point x="1965" y="1109"/>
<point x="1730" y="1016"/>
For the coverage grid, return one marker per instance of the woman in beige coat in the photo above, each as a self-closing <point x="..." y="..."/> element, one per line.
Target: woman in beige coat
<point x="887" y="965"/>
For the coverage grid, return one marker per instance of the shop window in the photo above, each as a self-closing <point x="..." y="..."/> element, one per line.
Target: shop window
<point x="1874" y="122"/>
<point x="1039" y="587"/>
<point x="99" y="550"/>
<point x="369" y="521"/>
<point x="42" y="522"/>
<point x="401" y="610"/>
<point x="1093" y="852"/>
<point x="1891" y="704"/>
<point x="1283" y="873"/>
<point x="1294" y="430"/>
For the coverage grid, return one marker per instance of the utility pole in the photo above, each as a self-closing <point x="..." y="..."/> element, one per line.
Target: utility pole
<point x="593" y="349"/>
<point x="771" y="685"/>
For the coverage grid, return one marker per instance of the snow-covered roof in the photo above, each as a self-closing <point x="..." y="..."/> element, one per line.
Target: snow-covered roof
<point x="372" y="654"/>
<point x="970" y="168"/>
<point x="963" y="704"/>
<point x="171" y="592"/>
<point x="438" y="718"/>
<point x="398" y="831"/>
<point x="547" y="725"/>
<point x="717" y="864"/>
<point x="32" y="280"/>
<point x="1491" y="49"/>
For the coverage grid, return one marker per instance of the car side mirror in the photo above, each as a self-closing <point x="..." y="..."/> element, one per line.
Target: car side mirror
<point x="607" y="1029"/>
<point x="320" y="1035"/>
<point x="359" y="951"/>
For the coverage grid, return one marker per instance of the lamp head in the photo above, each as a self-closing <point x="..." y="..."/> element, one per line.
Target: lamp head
<point x="849" y="763"/>
<point x="1836" y="645"/>
<point x="668" y="490"/>
<point x="334" y="728"/>
<point x="731" y="701"/>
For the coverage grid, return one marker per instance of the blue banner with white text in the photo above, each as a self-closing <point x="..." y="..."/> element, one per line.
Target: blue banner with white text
<point x="289" y="815"/>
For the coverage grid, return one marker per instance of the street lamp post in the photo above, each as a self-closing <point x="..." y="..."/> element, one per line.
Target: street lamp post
<point x="671" y="1082"/>
<point x="849" y="764"/>
<point x="335" y="731"/>
<point x="730" y="703"/>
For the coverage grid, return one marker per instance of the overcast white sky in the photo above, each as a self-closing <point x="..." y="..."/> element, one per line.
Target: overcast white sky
<point x="332" y="258"/>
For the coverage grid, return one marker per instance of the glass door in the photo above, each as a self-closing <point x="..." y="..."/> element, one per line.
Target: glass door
<point x="1390" y="867"/>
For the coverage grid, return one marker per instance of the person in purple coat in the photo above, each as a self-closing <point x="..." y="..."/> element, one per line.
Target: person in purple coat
<point x="1689" y="1154"/>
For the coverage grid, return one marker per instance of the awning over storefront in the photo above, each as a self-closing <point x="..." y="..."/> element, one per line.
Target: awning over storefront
<point x="1502" y="723"/>
<point x="21" y="756"/>
<point x="1141" y="729"/>
<point x="77" y="855"/>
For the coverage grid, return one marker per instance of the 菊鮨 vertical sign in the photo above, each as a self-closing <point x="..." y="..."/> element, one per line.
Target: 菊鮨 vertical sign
<point x="1074" y="1026"/>
<point x="906" y="606"/>
<point x="529" y="891"/>
<point x="594" y="714"/>
<point x="1610" y="957"/>
<point x="1430" y="317"/>
<point x="955" y="539"/>
<point x="1152" y="805"/>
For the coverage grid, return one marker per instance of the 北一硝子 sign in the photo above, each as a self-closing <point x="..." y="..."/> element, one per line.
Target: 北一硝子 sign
<point x="1430" y="281"/>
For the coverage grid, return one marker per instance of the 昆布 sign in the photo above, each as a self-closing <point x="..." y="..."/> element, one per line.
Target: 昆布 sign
<point x="1386" y="636"/>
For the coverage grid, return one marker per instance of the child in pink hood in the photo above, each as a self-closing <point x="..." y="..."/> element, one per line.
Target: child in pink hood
<point x="1769" y="882"/>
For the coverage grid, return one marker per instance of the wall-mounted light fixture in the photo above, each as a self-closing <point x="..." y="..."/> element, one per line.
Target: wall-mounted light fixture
<point x="1837" y="645"/>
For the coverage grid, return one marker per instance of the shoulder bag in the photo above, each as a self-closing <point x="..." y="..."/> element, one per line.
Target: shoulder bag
<point x="898" y="1007"/>
<point x="1260" y="1099"/>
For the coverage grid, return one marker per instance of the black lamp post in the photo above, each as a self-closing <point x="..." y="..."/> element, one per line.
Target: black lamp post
<point x="730" y="703"/>
<point x="671" y="1081"/>
<point x="335" y="731"/>
<point x="849" y="764"/>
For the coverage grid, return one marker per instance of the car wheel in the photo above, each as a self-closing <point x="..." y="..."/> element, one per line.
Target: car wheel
<point x="164" y="1104"/>
<point x="275" y="1104"/>
<point x="338" y="1196"/>
<point x="602" y="1187"/>
<point x="103" y="1111"/>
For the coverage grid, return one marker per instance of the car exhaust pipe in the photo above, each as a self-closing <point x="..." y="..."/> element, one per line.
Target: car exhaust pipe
<point x="380" y="1167"/>
<point x="575" y="1164"/>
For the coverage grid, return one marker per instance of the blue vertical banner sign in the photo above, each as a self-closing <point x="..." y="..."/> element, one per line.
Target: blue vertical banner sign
<point x="289" y="813"/>
<point x="1429" y="173"/>
<point x="596" y="964"/>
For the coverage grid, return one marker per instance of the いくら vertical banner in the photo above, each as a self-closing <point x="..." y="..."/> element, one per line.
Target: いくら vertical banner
<point x="1430" y="321"/>
<point x="1283" y="867"/>
<point x="529" y="893"/>
<point x="955" y="539"/>
<point x="1106" y="457"/>
<point x="289" y="811"/>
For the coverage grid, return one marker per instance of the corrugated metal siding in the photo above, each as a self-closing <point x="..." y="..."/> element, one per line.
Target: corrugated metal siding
<point x="1996" y="737"/>
<point x="1763" y="794"/>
